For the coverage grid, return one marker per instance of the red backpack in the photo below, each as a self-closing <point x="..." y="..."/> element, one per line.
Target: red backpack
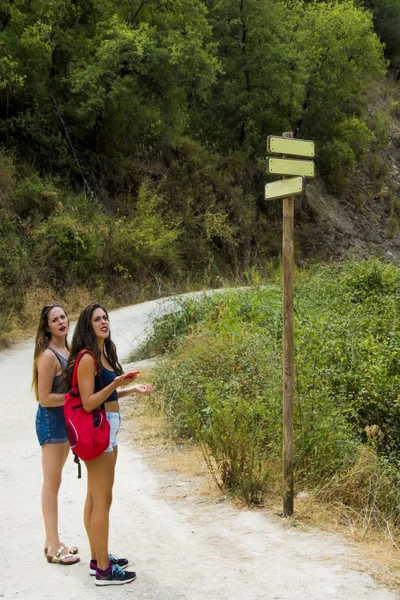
<point x="88" y="432"/>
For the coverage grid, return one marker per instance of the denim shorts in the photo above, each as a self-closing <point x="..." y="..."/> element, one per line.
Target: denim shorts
<point x="50" y="425"/>
<point x="114" y="418"/>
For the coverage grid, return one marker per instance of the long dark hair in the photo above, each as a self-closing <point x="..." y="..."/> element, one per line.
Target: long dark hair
<point x="42" y="340"/>
<point x="85" y="338"/>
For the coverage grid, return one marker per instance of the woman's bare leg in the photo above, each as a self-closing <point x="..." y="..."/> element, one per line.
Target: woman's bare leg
<point x="97" y="506"/>
<point x="53" y="460"/>
<point x="87" y="516"/>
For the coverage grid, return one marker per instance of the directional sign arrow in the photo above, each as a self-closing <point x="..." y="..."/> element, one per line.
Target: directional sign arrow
<point x="281" y="145"/>
<point x="284" y="187"/>
<point x="289" y="166"/>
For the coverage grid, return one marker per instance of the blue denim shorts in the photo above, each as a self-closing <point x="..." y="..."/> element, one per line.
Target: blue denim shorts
<point x="50" y="425"/>
<point x="114" y="418"/>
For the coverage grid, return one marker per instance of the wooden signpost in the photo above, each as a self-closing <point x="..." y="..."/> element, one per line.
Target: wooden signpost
<point x="287" y="189"/>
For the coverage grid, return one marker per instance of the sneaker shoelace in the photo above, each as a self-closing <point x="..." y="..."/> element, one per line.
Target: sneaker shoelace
<point x="116" y="570"/>
<point x="113" y="558"/>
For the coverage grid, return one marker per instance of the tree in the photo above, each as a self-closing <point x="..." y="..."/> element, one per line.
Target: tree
<point x="291" y="66"/>
<point x="386" y="14"/>
<point x="343" y="58"/>
<point x="140" y="78"/>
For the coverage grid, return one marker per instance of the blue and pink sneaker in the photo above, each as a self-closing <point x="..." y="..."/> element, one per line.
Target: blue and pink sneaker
<point x="113" y="575"/>
<point x="121" y="562"/>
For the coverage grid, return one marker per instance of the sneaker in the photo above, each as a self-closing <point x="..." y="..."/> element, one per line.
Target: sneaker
<point x="121" y="562"/>
<point x="114" y="575"/>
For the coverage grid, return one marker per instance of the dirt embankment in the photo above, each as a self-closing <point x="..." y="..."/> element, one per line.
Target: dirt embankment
<point x="365" y="219"/>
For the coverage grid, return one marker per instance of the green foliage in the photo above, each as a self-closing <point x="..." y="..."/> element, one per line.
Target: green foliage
<point x="378" y="169"/>
<point x="370" y="278"/>
<point x="260" y="72"/>
<point x="381" y="128"/>
<point x="222" y="381"/>
<point x="146" y="240"/>
<point x="136" y="84"/>
<point x="67" y="249"/>
<point x="7" y="178"/>
<point x="33" y="197"/>
<point x="167" y="330"/>
<point x="353" y="349"/>
<point x="154" y="234"/>
<point x="339" y="155"/>
<point x="394" y="108"/>
<point x="343" y="54"/>
<point x="13" y="271"/>
<point x="386" y="15"/>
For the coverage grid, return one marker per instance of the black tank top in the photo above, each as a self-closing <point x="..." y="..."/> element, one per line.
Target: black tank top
<point x="57" y="387"/>
<point x="102" y="380"/>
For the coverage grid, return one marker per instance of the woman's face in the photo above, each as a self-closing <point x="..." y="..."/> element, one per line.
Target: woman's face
<point x="57" y="322"/>
<point x="100" y="324"/>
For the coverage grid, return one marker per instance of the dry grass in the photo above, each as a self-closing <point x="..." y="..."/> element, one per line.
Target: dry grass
<point x="148" y="432"/>
<point x="376" y="550"/>
<point x="37" y="296"/>
<point x="27" y="320"/>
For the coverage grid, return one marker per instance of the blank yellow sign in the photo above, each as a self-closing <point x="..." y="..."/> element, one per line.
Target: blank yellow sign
<point x="289" y="166"/>
<point x="284" y="187"/>
<point x="281" y="145"/>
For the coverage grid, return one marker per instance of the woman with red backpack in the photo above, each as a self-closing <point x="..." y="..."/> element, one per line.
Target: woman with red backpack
<point x="99" y="375"/>
<point x="49" y="362"/>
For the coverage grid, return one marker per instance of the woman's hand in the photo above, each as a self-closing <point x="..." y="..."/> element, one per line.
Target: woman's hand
<point x="140" y="388"/>
<point x="121" y="380"/>
<point x="143" y="388"/>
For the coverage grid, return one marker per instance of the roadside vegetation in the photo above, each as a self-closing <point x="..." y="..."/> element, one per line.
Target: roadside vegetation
<point x="220" y="386"/>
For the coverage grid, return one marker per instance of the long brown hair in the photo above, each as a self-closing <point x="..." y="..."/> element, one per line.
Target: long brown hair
<point x="42" y="340"/>
<point x="84" y="337"/>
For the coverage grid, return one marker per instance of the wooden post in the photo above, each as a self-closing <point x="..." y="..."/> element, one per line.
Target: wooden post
<point x="288" y="349"/>
<point x="287" y="189"/>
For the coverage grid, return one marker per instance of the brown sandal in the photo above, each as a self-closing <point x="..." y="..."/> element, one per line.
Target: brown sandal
<point x="60" y="560"/>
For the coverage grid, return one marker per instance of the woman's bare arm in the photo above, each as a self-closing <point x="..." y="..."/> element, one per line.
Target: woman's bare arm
<point x="86" y="374"/>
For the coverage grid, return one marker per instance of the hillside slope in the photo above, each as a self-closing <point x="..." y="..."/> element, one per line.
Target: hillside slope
<point x="365" y="220"/>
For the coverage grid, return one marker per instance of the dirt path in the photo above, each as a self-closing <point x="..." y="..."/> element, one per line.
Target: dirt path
<point x="181" y="547"/>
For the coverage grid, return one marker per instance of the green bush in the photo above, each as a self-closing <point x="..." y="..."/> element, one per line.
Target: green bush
<point x="7" y="178"/>
<point x="13" y="271"/>
<point x="33" y="196"/>
<point x="221" y="381"/>
<point x="167" y="329"/>
<point x="146" y="240"/>
<point x="223" y="391"/>
<point x="67" y="249"/>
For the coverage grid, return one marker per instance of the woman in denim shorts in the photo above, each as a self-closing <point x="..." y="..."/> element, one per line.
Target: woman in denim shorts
<point x="99" y="376"/>
<point x="50" y="360"/>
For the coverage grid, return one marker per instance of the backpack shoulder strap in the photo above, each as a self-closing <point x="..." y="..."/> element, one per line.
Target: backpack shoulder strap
<point x="75" y="371"/>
